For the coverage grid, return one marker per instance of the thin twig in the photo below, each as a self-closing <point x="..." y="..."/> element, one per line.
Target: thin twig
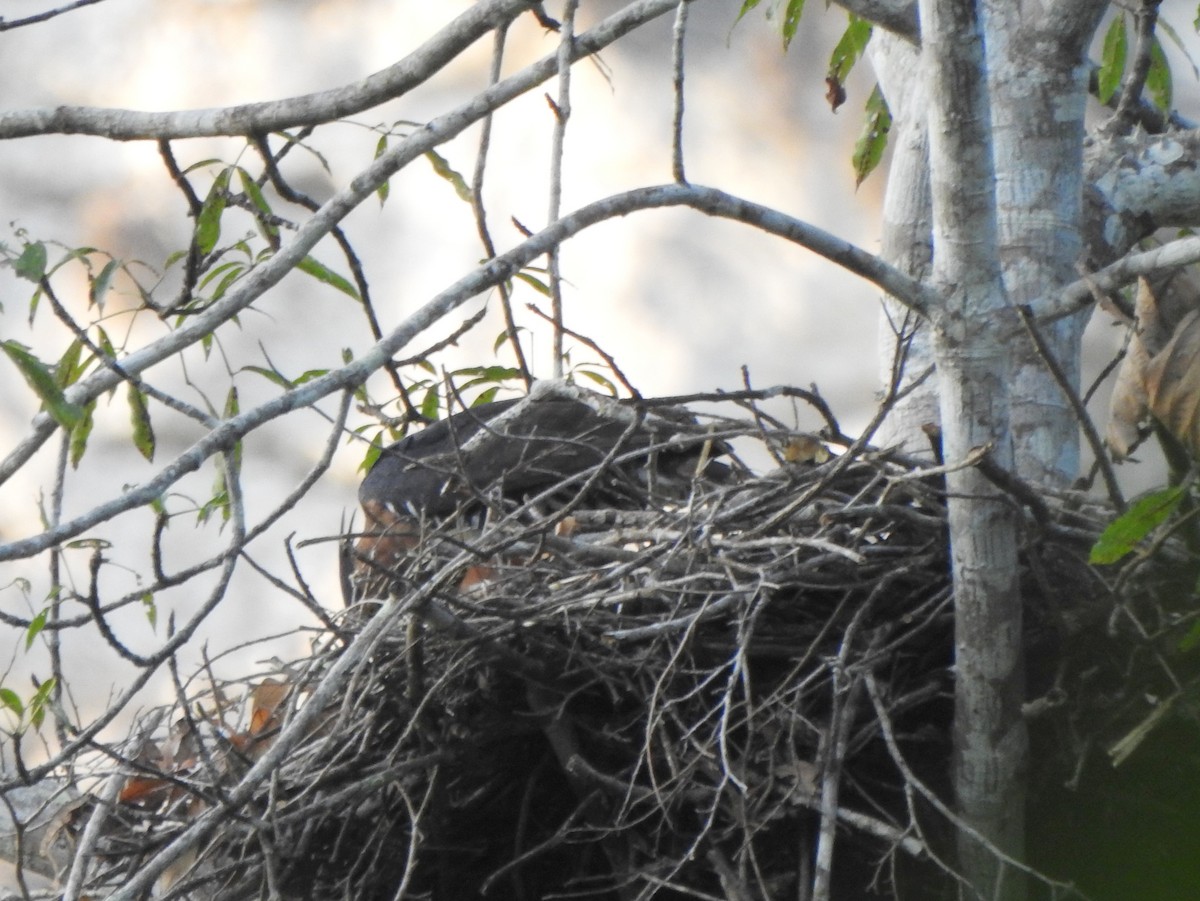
<point x="562" y="114"/>
<point x="480" y="212"/>
<point x="1077" y="406"/>
<point x="678" y="36"/>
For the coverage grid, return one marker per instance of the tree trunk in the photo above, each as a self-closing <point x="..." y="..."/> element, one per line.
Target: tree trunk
<point x="990" y="741"/>
<point x="999" y="124"/>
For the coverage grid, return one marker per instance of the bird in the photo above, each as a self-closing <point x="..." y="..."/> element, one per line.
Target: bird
<point x="492" y="458"/>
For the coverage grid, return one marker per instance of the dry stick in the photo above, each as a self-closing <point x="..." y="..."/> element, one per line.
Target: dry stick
<point x="845" y="697"/>
<point x="1010" y="484"/>
<point x="894" y="394"/>
<point x="912" y="781"/>
<point x="6" y="25"/>
<point x="191" y="262"/>
<point x="477" y="207"/>
<point x="54" y="638"/>
<point x="261" y="278"/>
<point x="268" y="117"/>
<point x="1083" y="293"/>
<point x="608" y="359"/>
<point x="84" y="737"/>
<point x="835" y="741"/>
<point x="167" y="400"/>
<point x="323" y="697"/>
<point x="677" y="41"/>
<point x="1081" y="414"/>
<point x="562" y="114"/>
<point x="272" y="173"/>
<point x="18" y="845"/>
<point x="708" y="200"/>
<point x="105" y="802"/>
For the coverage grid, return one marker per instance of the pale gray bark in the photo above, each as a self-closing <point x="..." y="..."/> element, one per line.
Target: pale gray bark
<point x="275" y="115"/>
<point x="990" y="740"/>
<point x="906" y="242"/>
<point x="1038" y="88"/>
<point x="1137" y="184"/>
<point x="899" y="17"/>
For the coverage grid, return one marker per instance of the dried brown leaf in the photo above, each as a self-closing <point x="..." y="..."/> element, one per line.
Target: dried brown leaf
<point x="1172" y="383"/>
<point x="265" y="699"/>
<point x="1129" y="405"/>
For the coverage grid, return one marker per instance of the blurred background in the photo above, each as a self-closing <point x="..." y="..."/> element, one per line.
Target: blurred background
<point x="681" y="302"/>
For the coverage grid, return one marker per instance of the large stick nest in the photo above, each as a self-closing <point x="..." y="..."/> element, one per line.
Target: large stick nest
<point x="690" y="699"/>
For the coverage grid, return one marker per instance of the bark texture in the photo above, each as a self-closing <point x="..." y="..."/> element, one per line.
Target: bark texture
<point x="990" y="741"/>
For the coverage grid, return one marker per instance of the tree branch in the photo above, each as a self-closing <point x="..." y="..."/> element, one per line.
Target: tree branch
<point x="897" y="16"/>
<point x="707" y="200"/>
<point x="1136" y="185"/>
<point x="47" y="15"/>
<point x="265" y="276"/>
<point x="274" y="115"/>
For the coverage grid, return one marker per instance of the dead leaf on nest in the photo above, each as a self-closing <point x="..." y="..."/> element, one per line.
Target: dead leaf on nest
<point x="266" y="697"/>
<point x="1160" y="374"/>
<point x="1173" y="383"/>
<point x="1129" y="405"/>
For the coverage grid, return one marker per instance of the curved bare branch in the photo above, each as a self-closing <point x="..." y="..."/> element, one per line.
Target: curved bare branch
<point x="362" y="187"/>
<point x="274" y="115"/>
<point x="706" y="200"/>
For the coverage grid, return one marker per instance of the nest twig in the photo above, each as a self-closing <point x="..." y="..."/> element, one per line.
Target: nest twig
<point x="666" y="701"/>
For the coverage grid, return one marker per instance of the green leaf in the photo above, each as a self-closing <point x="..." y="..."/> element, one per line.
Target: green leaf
<point x="67" y="370"/>
<point x="203" y="164"/>
<point x="791" y="20"/>
<point x="430" y="404"/>
<point x="536" y="283"/>
<point x="1158" y="79"/>
<point x="373" y="452"/>
<point x="485" y="374"/>
<point x="1165" y="27"/>
<point x="270" y="375"/>
<point x="35" y="627"/>
<point x="1112" y="60"/>
<point x="1127" y="530"/>
<point x="31" y="264"/>
<point x="139" y="416"/>
<point x="849" y="49"/>
<point x="380" y="149"/>
<point x="446" y="171"/>
<point x="503" y="337"/>
<point x="323" y="273"/>
<point x="748" y="5"/>
<point x="872" y="140"/>
<point x="174" y="258"/>
<point x="11" y="700"/>
<point x="106" y="347"/>
<point x="254" y="192"/>
<point x="208" y="222"/>
<point x="80" y="434"/>
<point x="599" y="379"/>
<point x="151" y="609"/>
<point x="40" y="379"/>
<point x="102" y="282"/>
<point x="308" y="375"/>
<point x="235" y="272"/>
<point x="1192" y="639"/>
<point x="486" y="396"/>
<point x="37" y="704"/>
